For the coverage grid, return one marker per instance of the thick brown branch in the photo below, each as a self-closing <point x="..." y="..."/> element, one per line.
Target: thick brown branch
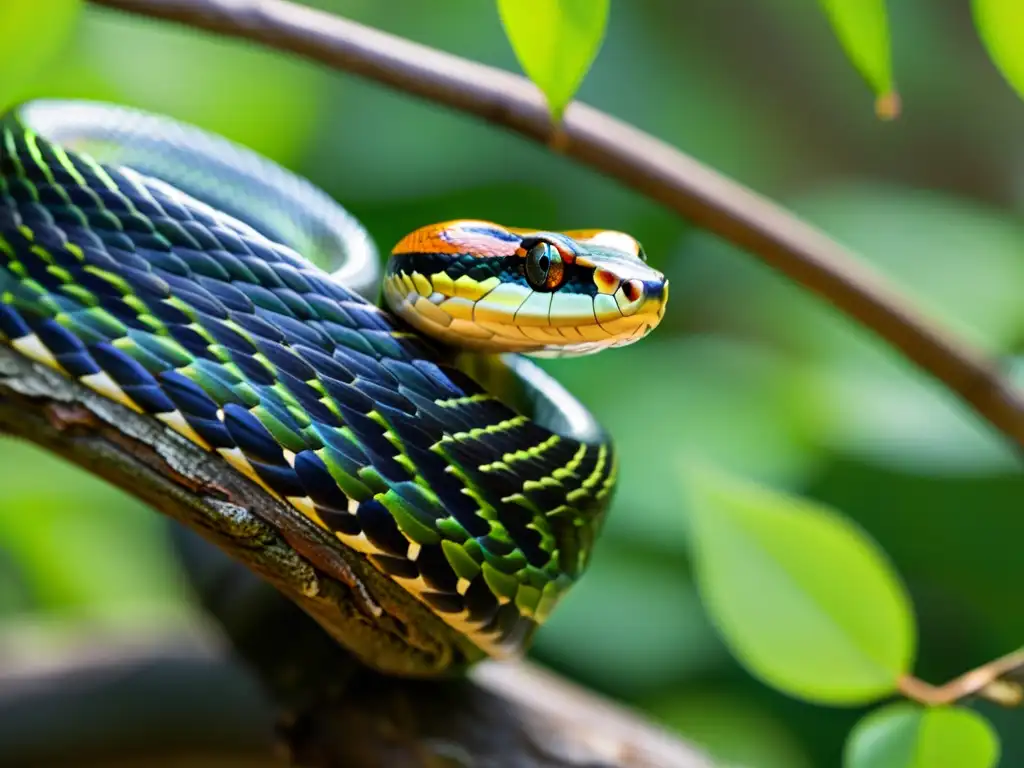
<point x="654" y="168"/>
<point x="503" y="715"/>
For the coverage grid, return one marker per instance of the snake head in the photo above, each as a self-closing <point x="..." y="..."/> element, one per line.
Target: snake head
<point x="488" y="288"/>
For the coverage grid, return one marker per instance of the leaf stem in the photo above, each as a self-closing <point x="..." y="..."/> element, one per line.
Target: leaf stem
<point x="988" y="681"/>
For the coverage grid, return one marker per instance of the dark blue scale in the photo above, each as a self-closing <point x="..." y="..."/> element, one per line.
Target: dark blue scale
<point x="451" y="418"/>
<point x="257" y="326"/>
<point x="408" y="377"/>
<point x="275" y="407"/>
<point x="304" y="333"/>
<point x="193" y="294"/>
<point x="386" y="397"/>
<point x="498" y="549"/>
<point x="150" y="241"/>
<point x="254" y="370"/>
<point x="121" y="367"/>
<point x="251" y="436"/>
<point x="436" y="570"/>
<point x="327" y="367"/>
<point x="202" y="263"/>
<point x="298" y="307"/>
<point x="410" y="430"/>
<point x="362" y="365"/>
<point x="340" y="450"/>
<point x="380" y="528"/>
<point x="167" y="314"/>
<point x="449" y="490"/>
<point x="399" y="567"/>
<point x="54" y="336"/>
<point x="345" y="396"/>
<point x="263" y="253"/>
<point x="229" y="240"/>
<point x="480" y="601"/>
<point x="229" y="337"/>
<point x="340" y="521"/>
<point x="417" y="503"/>
<point x="327" y="309"/>
<point x="547" y="497"/>
<point x="515" y="520"/>
<point x="177" y="236"/>
<point x="147" y="284"/>
<point x="227" y="294"/>
<point x="344" y="336"/>
<point x="505" y="621"/>
<point x="268" y="305"/>
<point x="444" y="602"/>
<point x="280" y="477"/>
<point x="212" y="431"/>
<point x="188" y="397"/>
<point x="262" y="268"/>
<point x="200" y="234"/>
<point x="149" y="398"/>
<point x="191" y="340"/>
<point x="384" y="344"/>
<point x="284" y="358"/>
<point x="295" y="272"/>
<point x="112" y="236"/>
<point x="317" y="481"/>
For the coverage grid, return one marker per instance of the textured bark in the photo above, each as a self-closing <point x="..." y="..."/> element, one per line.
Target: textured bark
<point x="332" y="711"/>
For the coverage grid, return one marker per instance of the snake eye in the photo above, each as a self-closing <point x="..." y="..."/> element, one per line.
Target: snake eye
<point x="544" y="268"/>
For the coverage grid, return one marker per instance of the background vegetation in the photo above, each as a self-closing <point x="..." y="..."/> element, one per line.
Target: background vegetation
<point x="745" y="372"/>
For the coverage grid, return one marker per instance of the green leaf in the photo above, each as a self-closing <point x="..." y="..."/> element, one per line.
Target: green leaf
<point x="904" y="735"/>
<point x="862" y="27"/>
<point x="999" y="23"/>
<point x="555" y="42"/>
<point x="32" y="34"/>
<point x="805" y="600"/>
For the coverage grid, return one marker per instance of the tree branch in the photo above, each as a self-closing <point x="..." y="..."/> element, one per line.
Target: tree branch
<point x="339" y="712"/>
<point x="635" y="158"/>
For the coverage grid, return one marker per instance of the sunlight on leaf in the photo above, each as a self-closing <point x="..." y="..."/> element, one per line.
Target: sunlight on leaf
<point x="999" y="23"/>
<point x="904" y="735"/>
<point x="32" y="34"/>
<point x="862" y="27"/>
<point x="555" y="42"/>
<point x="805" y="600"/>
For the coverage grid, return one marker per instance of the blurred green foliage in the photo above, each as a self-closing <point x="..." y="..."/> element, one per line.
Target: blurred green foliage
<point x="903" y="735"/>
<point x="746" y="371"/>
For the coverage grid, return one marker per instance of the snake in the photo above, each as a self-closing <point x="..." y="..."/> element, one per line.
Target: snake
<point x="392" y="410"/>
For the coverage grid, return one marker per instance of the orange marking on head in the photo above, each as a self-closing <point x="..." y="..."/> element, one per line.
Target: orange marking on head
<point x="429" y="239"/>
<point x="477" y="238"/>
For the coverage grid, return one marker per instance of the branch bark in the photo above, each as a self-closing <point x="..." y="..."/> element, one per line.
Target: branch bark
<point x="639" y="160"/>
<point x="337" y="712"/>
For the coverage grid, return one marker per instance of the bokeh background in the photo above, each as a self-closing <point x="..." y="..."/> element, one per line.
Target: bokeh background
<point x="746" y="371"/>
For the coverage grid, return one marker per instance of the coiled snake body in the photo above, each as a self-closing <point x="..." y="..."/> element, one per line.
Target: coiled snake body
<point x="175" y="273"/>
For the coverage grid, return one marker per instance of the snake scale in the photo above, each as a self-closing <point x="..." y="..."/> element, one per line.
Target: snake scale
<point x="183" y="277"/>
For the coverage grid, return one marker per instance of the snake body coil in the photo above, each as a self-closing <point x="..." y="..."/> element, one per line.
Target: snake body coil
<point x="160" y="266"/>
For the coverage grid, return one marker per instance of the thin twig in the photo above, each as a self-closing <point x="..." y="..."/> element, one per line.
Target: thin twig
<point x="988" y="681"/>
<point x="656" y="169"/>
